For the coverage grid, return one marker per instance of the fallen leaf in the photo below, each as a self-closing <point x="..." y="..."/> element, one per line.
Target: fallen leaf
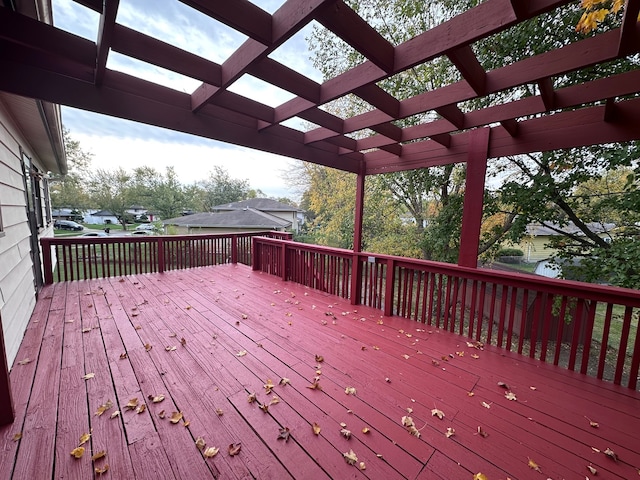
<point x="406" y="357"/>
<point x="241" y="353"/>
<point x="486" y="405"/>
<point x="450" y="432"/>
<point x="274" y="400"/>
<point x="213" y="451"/>
<point x="473" y="355"/>
<point x="470" y="394"/>
<point x="268" y="386"/>
<point x="77" y="452"/>
<point x="18" y="436"/>
<point x="350" y="390"/>
<point x="284" y="381"/>
<point x="592" y="423"/>
<point x="234" y="449"/>
<point x="533" y="465"/>
<point x="319" y="358"/>
<point x="115" y="414"/>
<point x="480" y="476"/>
<point x="86" y="330"/>
<point x="200" y="443"/>
<point x="504" y="385"/>
<point x="84" y="438"/>
<point x="592" y="470"/>
<point x="101" y="470"/>
<point x="510" y="396"/>
<point x="435" y="363"/>
<point x="345" y="433"/>
<point x="316" y="428"/>
<point x="170" y="349"/>
<point x="533" y="388"/>
<point x="375" y="347"/>
<point x="264" y="407"/>
<point x="141" y="408"/>
<point x="284" y="434"/>
<point x="362" y="466"/>
<point x="156" y="398"/>
<point x="219" y="412"/>
<point x="183" y="342"/>
<point x="611" y="454"/>
<point x="188" y="307"/>
<point x="350" y="457"/>
<point x="175" y="417"/>
<point x="245" y="316"/>
<point x="133" y="404"/>
<point x="104" y="407"/>
<point x="162" y="414"/>
<point x="88" y="376"/>
<point x="187" y="423"/>
<point x="316" y="384"/>
<point x="387" y="379"/>
<point x="148" y="347"/>
<point x="482" y="433"/>
<point x="99" y="455"/>
<point x="460" y="354"/>
<point x="123" y="356"/>
<point x="437" y="413"/>
<point x="343" y="425"/>
<point x="25" y="361"/>
<point x="366" y="430"/>
<point x="251" y="398"/>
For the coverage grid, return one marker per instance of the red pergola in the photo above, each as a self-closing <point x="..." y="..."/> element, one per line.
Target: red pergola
<point x="41" y="61"/>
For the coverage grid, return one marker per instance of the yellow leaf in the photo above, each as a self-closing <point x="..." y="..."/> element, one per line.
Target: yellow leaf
<point x="99" y="455"/>
<point x="211" y="452"/>
<point x="350" y="457"/>
<point x="533" y="465"/>
<point x="141" y="408"/>
<point x="175" y="417"/>
<point x="268" y="386"/>
<point x="366" y="430"/>
<point x="251" y="398"/>
<point x="316" y="428"/>
<point x="77" y="452"/>
<point x="17" y="436"/>
<point x="480" y="476"/>
<point x="274" y="400"/>
<point x="104" y="407"/>
<point x="133" y="404"/>
<point x="84" y="439"/>
<point x="148" y="347"/>
<point x="101" y="470"/>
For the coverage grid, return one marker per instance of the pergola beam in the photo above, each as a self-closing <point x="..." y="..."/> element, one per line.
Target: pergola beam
<point x="105" y="37"/>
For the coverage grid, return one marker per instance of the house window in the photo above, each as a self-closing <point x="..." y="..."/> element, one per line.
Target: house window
<point x="47" y="200"/>
<point x="33" y="190"/>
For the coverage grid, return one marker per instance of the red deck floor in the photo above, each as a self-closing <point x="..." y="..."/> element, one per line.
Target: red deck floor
<point x="221" y="312"/>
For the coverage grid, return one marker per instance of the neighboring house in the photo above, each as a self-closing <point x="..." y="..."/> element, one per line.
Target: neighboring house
<point x="245" y="220"/>
<point x="67" y="214"/>
<point x="101" y="217"/>
<point x="31" y="146"/>
<point x="533" y="244"/>
<point x="266" y="205"/>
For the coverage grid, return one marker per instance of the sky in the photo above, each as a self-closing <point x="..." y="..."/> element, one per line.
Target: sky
<point x="117" y="143"/>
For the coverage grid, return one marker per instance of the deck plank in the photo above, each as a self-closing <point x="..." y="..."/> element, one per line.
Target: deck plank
<point x="210" y="315"/>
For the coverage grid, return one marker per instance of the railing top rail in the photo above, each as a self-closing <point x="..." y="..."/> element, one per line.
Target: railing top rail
<point x="147" y="238"/>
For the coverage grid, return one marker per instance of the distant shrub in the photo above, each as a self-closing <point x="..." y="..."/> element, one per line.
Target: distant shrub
<point x="510" y="252"/>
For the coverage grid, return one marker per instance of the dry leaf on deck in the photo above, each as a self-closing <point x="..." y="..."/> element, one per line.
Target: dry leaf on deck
<point x="350" y="390"/>
<point x="350" y="457"/>
<point x="141" y="408"/>
<point x="219" y="412"/>
<point x="234" y="449"/>
<point x="104" y="407"/>
<point x="510" y="396"/>
<point x="319" y="358"/>
<point x="99" y="455"/>
<point x="25" y="361"/>
<point x="244" y="316"/>
<point x="592" y="470"/>
<point x="268" y="386"/>
<point x="101" y="470"/>
<point x="162" y="414"/>
<point x="362" y="466"/>
<point x="437" y="413"/>
<point x="264" y="407"/>
<point x="480" y="476"/>
<point x="115" y="414"/>
<point x="486" y="405"/>
<point x="200" y="443"/>
<point x="211" y="452"/>
<point x="284" y="434"/>
<point x="156" y="398"/>
<point x="241" y="353"/>
<point x="86" y="330"/>
<point x="175" y="417"/>
<point x="316" y="384"/>
<point x="133" y="404"/>
<point x="316" y="428"/>
<point x="611" y="454"/>
<point x="482" y="433"/>
<point x="450" y="432"/>
<point x="84" y="439"/>
<point x="345" y="433"/>
<point x="284" y="381"/>
<point x="148" y="347"/>
<point x="592" y="423"/>
<point x="88" y="376"/>
<point x="251" y="398"/>
<point x="533" y="465"/>
<point x="504" y="385"/>
<point x="18" y="436"/>
<point x="366" y="430"/>
<point x="77" y="452"/>
<point x="274" y="400"/>
<point x="183" y="342"/>
<point x="475" y="356"/>
<point x="170" y="349"/>
<point x="406" y="357"/>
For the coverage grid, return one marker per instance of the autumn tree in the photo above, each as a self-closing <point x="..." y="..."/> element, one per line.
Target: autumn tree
<point x="161" y="193"/>
<point x="70" y="190"/>
<point x="219" y="188"/>
<point x="114" y="191"/>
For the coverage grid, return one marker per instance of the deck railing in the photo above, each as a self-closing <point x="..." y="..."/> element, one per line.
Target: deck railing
<point x="76" y="258"/>
<point x="584" y="327"/>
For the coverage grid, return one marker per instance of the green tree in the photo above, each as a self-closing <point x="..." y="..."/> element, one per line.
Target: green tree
<point x="114" y="191"/>
<point x="219" y="188"/>
<point x="163" y="194"/>
<point x="70" y="191"/>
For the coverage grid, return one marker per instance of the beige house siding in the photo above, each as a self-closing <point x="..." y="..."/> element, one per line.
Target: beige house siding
<point x="17" y="291"/>
<point x="534" y="248"/>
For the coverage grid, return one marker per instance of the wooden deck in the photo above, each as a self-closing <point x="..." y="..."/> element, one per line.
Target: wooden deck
<point x="184" y="335"/>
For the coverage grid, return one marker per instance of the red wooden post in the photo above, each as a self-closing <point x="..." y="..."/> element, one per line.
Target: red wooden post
<point x="255" y="254"/>
<point x="46" y="260"/>
<point x="160" y="255"/>
<point x="389" y="287"/>
<point x="234" y="249"/>
<point x="6" y="402"/>
<point x="283" y="259"/>
<point x="473" y="197"/>
<point x="356" y="266"/>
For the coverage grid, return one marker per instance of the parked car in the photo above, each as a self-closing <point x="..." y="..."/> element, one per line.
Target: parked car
<point x="141" y="232"/>
<point x="145" y="226"/>
<point x="94" y="234"/>
<point x="67" y="225"/>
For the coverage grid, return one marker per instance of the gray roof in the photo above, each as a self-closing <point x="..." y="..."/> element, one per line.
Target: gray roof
<point x="264" y="204"/>
<point x="537" y="230"/>
<point x="103" y="213"/>
<point x="249" y="218"/>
